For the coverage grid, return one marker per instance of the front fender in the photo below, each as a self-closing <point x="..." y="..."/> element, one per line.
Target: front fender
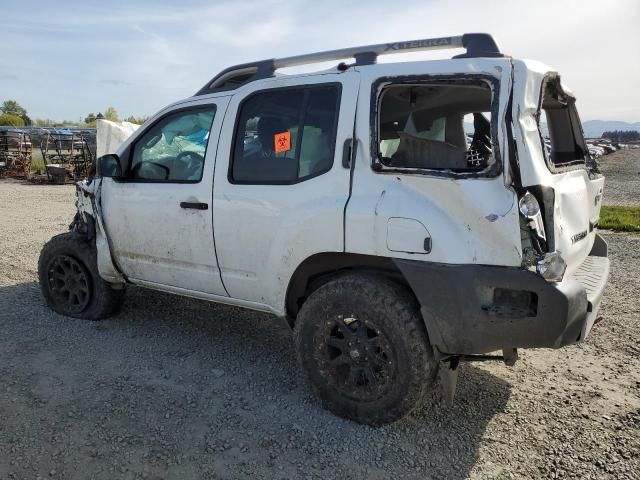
<point x="88" y="206"/>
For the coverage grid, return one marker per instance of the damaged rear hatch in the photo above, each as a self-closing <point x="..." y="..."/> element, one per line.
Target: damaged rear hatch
<point x="555" y="162"/>
<point x="555" y="166"/>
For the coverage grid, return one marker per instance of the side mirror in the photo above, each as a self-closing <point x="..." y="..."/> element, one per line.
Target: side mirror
<point x="109" y="166"/>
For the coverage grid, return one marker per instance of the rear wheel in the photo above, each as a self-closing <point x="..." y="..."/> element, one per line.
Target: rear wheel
<point x="70" y="282"/>
<point x="364" y="347"/>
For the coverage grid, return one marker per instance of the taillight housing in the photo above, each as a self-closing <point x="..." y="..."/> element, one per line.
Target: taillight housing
<point x="551" y="266"/>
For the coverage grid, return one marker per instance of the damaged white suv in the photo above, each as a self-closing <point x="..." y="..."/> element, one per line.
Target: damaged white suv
<point x="401" y="217"/>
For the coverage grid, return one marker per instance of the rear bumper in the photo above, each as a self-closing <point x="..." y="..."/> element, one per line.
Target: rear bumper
<point x="458" y="304"/>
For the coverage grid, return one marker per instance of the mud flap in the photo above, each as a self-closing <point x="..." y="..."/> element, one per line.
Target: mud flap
<point x="449" y="378"/>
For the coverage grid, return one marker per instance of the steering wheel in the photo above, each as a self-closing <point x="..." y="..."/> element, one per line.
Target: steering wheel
<point x="194" y="162"/>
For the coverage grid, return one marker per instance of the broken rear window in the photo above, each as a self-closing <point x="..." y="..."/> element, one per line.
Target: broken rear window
<point x="565" y="146"/>
<point x="445" y="126"/>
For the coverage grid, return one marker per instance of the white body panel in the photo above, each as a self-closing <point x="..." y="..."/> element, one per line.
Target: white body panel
<point x="263" y="232"/>
<point x="86" y="195"/>
<point x="469" y="220"/>
<point x="577" y="196"/>
<point x="153" y="239"/>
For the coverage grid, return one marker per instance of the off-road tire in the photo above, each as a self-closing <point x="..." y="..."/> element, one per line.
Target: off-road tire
<point x="73" y="252"/>
<point x="391" y="317"/>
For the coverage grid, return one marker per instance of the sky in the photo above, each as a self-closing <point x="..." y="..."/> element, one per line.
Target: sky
<point x="64" y="59"/>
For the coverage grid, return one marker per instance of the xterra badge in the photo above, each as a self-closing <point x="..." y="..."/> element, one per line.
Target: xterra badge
<point x="578" y="236"/>
<point x="427" y="43"/>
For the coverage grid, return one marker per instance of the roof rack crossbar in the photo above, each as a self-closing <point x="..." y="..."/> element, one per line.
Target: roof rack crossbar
<point x="476" y="44"/>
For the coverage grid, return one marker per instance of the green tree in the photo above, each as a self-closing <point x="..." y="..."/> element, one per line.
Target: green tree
<point x="12" y="107"/>
<point x="137" y="120"/>
<point x="622" y="135"/>
<point x="11" y="120"/>
<point x="90" y="118"/>
<point x="111" y="114"/>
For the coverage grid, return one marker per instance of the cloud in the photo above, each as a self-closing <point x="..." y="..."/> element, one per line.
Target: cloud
<point x="8" y="76"/>
<point x="162" y="51"/>
<point x="115" y="81"/>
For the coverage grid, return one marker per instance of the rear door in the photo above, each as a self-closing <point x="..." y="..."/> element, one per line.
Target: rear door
<point x="428" y="208"/>
<point x="159" y="218"/>
<point x="280" y="187"/>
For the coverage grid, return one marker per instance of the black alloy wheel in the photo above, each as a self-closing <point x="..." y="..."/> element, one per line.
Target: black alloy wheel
<point x="69" y="283"/>
<point x="357" y="358"/>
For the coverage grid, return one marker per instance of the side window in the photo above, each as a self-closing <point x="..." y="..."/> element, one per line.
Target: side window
<point x="286" y="135"/>
<point x="173" y="150"/>
<point x="565" y="146"/>
<point x="436" y="126"/>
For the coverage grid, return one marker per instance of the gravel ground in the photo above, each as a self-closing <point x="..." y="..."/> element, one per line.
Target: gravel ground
<point x="622" y="171"/>
<point x="179" y="388"/>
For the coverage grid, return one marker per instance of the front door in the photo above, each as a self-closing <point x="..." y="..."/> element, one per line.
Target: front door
<point x="281" y="187"/>
<point x="159" y="217"/>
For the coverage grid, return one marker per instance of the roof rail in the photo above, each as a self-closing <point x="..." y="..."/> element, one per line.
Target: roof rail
<point x="476" y="44"/>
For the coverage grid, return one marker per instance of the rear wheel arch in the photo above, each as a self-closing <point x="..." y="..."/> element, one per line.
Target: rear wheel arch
<point x="321" y="268"/>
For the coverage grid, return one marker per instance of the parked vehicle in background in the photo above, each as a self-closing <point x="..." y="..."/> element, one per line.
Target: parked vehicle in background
<point x="596" y="151"/>
<point x="351" y="203"/>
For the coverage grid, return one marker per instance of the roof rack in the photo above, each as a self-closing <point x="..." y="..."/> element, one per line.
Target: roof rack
<point x="476" y="44"/>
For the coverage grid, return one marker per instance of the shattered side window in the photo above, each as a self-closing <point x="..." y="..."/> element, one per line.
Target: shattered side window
<point x="436" y="126"/>
<point x="174" y="149"/>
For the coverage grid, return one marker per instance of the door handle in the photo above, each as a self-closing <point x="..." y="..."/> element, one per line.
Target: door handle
<point x="194" y="205"/>
<point x="347" y="152"/>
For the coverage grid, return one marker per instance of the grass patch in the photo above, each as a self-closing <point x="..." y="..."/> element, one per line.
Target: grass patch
<point x="624" y="219"/>
<point x="37" y="162"/>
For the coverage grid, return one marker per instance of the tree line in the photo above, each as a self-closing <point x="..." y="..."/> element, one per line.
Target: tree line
<point x="12" y="114"/>
<point x="622" y="136"/>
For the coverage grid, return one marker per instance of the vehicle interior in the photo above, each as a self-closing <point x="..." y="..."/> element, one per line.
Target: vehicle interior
<point x="567" y="145"/>
<point x="436" y="126"/>
<point x="308" y="119"/>
<point x="174" y="149"/>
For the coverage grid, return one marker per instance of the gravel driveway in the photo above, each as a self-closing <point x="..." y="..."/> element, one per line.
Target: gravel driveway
<point x="622" y="172"/>
<point x="179" y="388"/>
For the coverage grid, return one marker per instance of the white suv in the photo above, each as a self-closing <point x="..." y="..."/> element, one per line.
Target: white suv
<point x="401" y="217"/>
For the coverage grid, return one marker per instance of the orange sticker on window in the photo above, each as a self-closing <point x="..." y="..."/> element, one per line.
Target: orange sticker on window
<point x="282" y="142"/>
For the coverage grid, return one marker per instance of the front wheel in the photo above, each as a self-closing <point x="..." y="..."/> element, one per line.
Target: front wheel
<point x="70" y="282"/>
<point x="363" y="345"/>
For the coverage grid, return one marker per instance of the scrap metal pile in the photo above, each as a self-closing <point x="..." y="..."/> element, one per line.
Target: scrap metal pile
<point x="66" y="154"/>
<point x="15" y="153"/>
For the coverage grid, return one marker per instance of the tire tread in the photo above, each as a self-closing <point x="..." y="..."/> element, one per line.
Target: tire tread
<point x="105" y="301"/>
<point x="396" y="302"/>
